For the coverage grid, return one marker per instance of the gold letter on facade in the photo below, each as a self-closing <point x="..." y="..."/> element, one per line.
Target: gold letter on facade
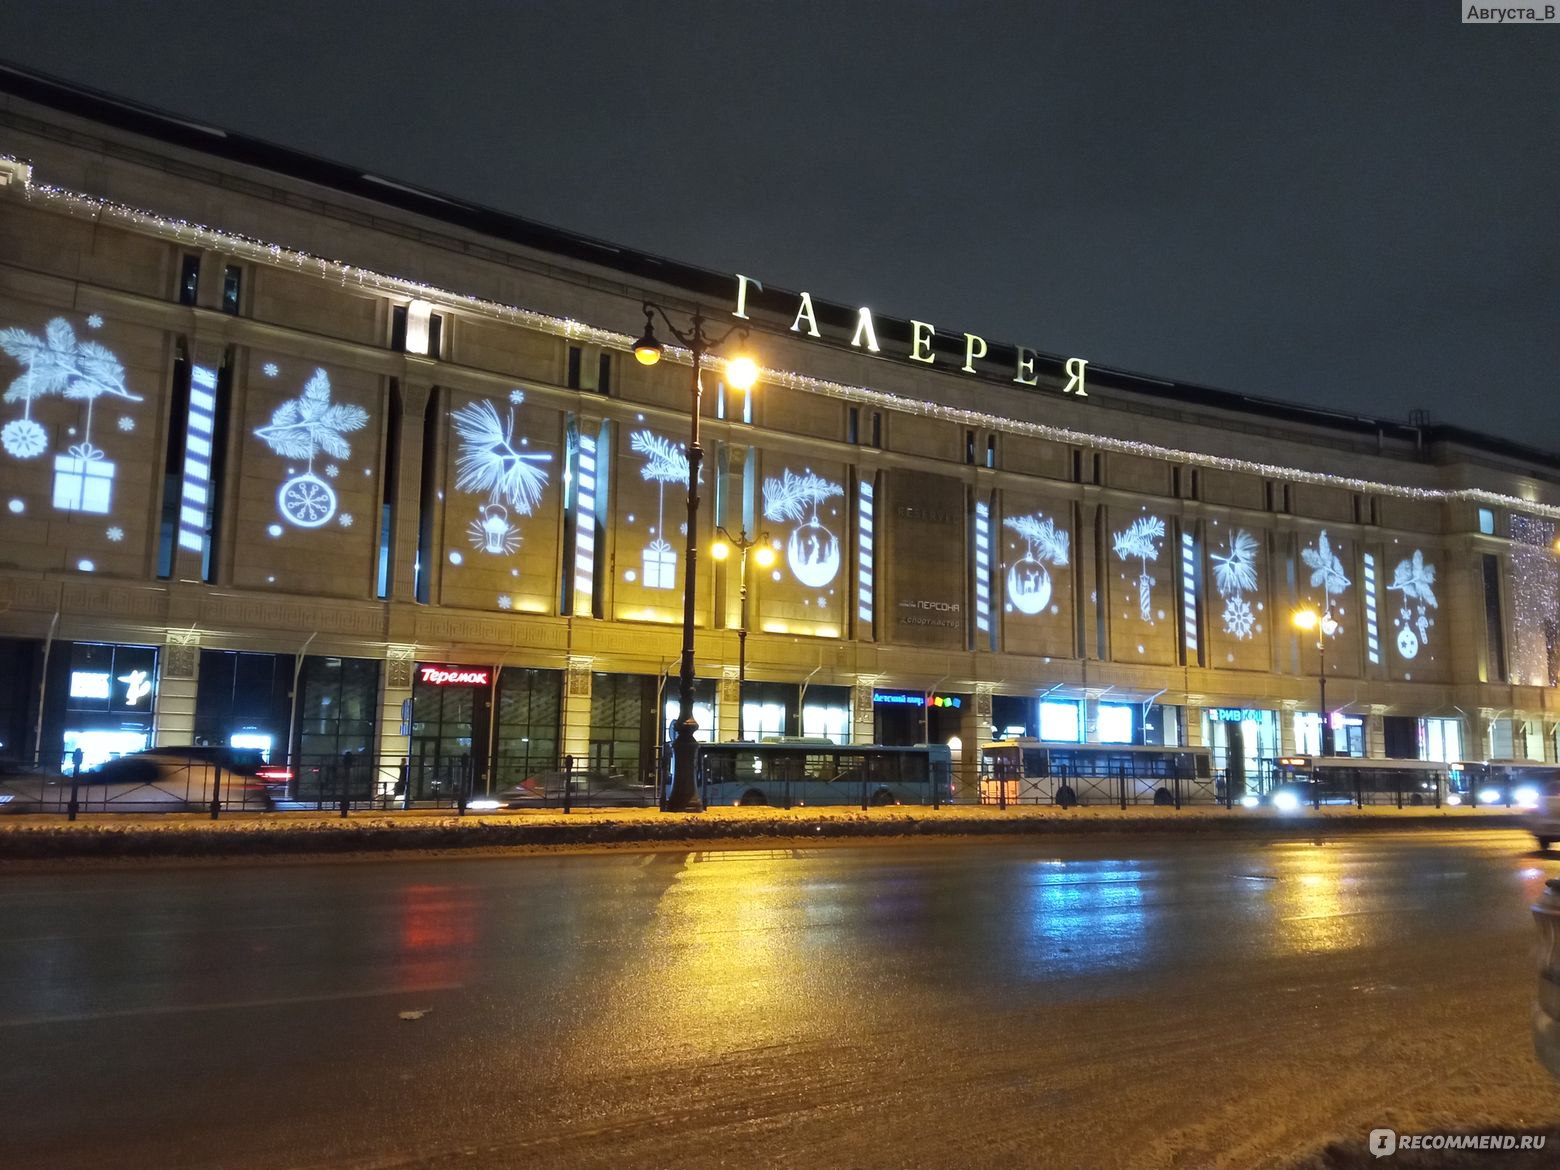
<point x="1026" y="367"/>
<point x="1074" y="369"/>
<point x="742" y="287"/>
<point x="805" y="312"/>
<point x="974" y="347"/>
<point x="921" y="342"/>
<point x="864" y="329"/>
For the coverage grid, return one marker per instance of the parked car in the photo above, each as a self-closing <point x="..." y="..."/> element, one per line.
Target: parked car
<point x="606" y="789"/>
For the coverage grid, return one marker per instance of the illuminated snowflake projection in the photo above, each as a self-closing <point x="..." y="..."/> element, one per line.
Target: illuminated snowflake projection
<point x="1235" y="575"/>
<point x="95" y="321"/>
<point x="812" y="551"/>
<point x="492" y="462"/>
<point x="332" y="471"/>
<point x="1414" y="579"/>
<point x="126" y="423"/>
<point x="1237" y="616"/>
<point x="1028" y="578"/>
<point x="1326" y="572"/>
<point x="301" y="428"/>
<point x="1139" y="541"/>
<point x="505" y="601"/>
<point x="82" y="371"/>
<point x="345" y="519"/>
<point x="665" y="462"/>
<point x="270" y="369"/>
<point x="116" y="534"/>
<point x="516" y="397"/>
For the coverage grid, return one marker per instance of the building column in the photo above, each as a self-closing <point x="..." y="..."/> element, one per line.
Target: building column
<point x="1375" y="734"/>
<point x="395" y="739"/>
<point x="178" y="678"/>
<point x="574" y="735"/>
<point x="966" y="761"/>
<point x="863" y="726"/>
<point x="728" y="712"/>
<point x="408" y="493"/>
<point x="1191" y="725"/>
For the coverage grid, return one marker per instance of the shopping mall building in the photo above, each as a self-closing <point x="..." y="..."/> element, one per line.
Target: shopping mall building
<point x="301" y="458"/>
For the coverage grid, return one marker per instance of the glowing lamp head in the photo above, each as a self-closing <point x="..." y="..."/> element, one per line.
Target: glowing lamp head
<point x="720" y="550"/>
<point x="647" y="350"/>
<point x="1305" y="619"/>
<point x="741" y="372"/>
<point x="764" y="556"/>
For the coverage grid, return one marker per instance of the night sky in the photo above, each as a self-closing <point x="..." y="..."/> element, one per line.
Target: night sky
<point x="1350" y="205"/>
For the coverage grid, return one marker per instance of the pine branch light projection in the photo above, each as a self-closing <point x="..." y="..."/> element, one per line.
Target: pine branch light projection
<point x="1028" y="578"/>
<point x="57" y="363"/>
<point x="1235" y="575"/>
<point x="1140" y="541"/>
<point x="491" y="462"/>
<point x="812" y="551"/>
<point x="1327" y="572"/>
<point x="300" y="429"/>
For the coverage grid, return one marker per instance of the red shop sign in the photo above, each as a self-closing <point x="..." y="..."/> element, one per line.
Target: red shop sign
<point x="455" y="676"/>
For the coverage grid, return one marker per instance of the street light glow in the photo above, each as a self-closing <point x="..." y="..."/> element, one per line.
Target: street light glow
<point x="1305" y="619"/>
<point x="741" y="372"/>
<point x="764" y="555"/>
<point x="720" y="550"/>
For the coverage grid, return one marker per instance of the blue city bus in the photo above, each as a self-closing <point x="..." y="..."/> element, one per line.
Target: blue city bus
<point x="784" y="773"/>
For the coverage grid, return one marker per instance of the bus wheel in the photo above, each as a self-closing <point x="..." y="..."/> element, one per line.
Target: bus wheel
<point x="752" y="797"/>
<point x="882" y="796"/>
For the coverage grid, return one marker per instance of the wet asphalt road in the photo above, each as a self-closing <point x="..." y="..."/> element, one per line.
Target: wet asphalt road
<point x="1121" y="1003"/>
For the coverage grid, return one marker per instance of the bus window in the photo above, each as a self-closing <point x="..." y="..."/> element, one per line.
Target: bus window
<point x="818" y="766"/>
<point x="850" y="766"/>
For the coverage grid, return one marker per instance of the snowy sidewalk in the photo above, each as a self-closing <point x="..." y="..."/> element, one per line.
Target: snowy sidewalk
<point x="254" y="834"/>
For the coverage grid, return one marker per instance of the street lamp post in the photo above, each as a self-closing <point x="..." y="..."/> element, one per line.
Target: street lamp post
<point x="741" y="373"/>
<point x="1325" y="626"/>
<point x="765" y="556"/>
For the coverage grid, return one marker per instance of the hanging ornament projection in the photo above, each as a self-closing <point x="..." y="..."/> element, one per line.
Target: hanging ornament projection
<point x="301" y="428"/>
<point x="665" y="462"/>
<point x="1029" y="578"/>
<point x="83" y="371"/>
<point x="1235" y="575"/>
<point x="1326" y="572"/>
<point x="491" y="461"/>
<point x="1140" y="541"/>
<point x="1414" y="579"/>
<point x="812" y="551"/>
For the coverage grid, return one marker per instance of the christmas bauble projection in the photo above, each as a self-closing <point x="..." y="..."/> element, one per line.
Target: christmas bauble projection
<point x="1414" y="582"/>
<point x="812" y="549"/>
<point x="57" y="362"/>
<point x="302" y="429"/>
<point x="496" y="465"/>
<point x="1028" y="579"/>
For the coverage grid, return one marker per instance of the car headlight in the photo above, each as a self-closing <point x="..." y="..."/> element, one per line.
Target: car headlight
<point x="1249" y="801"/>
<point x="1489" y="796"/>
<point x="1453" y="798"/>
<point x="483" y="805"/>
<point x="1526" y="796"/>
<point x="1285" y="801"/>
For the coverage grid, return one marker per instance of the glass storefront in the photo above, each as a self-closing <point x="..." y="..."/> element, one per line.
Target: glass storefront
<point x="100" y="701"/>
<point x="241" y="700"/>
<point x="622" y="725"/>
<point x="530" y="709"/>
<point x="1243" y="742"/>
<point x="337" y="707"/>
<point x="826" y="713"/>
<point x="20" y="661"/>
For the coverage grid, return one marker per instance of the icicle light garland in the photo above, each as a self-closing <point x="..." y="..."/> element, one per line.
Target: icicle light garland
<point x="183" y="231"/>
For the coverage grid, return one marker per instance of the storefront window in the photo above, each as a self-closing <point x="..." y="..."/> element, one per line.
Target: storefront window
<point x="1441" y="740"/>
<point x="621" y="707"/>
<point x="241" y="701"/>
<point x="832" y="723"/>
<point x="529" y="710"/>
<point x="102" y="697"/>
<point x="1116" y="723"/>
<point x="336" y="707"/>
<point x="1308" y="733"/>
<point x="1059" y="721"/>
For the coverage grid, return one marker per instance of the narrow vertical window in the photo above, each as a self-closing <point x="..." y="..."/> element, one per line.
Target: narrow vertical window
<point x="969" y="447"/>
<point x="189" y="279"/>
<point x="585" y="518"/>
<point x="877" y="429"/>
<point x="389" y="485"/>
<point x="168" y="537"/>
<point x="1494" y="626"/>
<point x="572" y="377"/>
<point x="1189" y="597"/>
<point x="853" y="424"/>
<point x="604" y="373"/>
<point x="991" y="450"/>
<point x="419" y="317"/>
<point x="982" y="575"/>
<point x="427" y="502"/>
<point x="1372" y="629"/>
<point x="864" y="554"/>
<point x="232" y="289"/>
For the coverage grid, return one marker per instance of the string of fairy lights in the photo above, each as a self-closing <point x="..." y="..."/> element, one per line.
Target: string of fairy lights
<point x="77" y="204"/>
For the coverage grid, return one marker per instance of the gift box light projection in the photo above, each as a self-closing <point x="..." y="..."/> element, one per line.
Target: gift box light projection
<point x="801" y="595"/>
<point x="300" y="429"/>
<point x="508" y="558"/>
<point x="652" y="484"/>
<point x="57" y="362"/>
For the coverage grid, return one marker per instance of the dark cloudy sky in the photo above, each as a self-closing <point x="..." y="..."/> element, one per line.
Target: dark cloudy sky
<point x="1355" y="205"/>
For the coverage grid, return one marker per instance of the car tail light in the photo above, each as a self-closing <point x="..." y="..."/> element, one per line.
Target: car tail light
<point x="275" y="774"/>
